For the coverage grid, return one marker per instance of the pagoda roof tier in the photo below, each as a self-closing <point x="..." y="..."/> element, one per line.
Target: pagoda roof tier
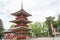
<point x="20" y="20"/>
<point x="18" y="29"/>
<point x="21" y="12"/>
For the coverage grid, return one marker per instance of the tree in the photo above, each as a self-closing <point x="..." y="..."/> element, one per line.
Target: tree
<point x="48" y="20"/>
<point x="35" y="29"/>
<point x="38" y="29"/>
<point x="45" y="29"/>
<point x="55" y="24"/>
<point x="58" y="20"/>
<point x="1" y="29"/>
<point x="59" y="17"/>
<point x="58" y="27"/>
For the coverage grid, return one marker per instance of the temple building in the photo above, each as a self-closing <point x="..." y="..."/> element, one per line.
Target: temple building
<point x="21" y="29"/>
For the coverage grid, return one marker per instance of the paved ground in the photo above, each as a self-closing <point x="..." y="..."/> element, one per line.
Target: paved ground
<point x="46" y="38"/>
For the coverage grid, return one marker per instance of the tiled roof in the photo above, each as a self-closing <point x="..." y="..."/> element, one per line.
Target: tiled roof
<point x="19" y="20"/>
<point x="20" y="28"/>
<point x="22" y="11"/>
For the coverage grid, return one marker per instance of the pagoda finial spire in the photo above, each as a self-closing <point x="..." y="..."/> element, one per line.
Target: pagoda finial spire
<point x="21" y="4"/>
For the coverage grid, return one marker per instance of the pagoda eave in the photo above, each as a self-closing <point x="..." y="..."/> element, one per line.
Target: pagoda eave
<point x="21" y="12"/>
<point x="18" y="21"/>
<point x="21" y="29"/>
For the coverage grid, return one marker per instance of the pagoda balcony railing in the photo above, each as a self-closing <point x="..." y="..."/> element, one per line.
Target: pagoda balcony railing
<point x="22" y="16"/>
<point x="22" y="25"/>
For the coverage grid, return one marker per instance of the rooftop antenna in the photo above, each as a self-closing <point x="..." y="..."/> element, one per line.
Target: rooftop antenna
<point x="21" y="4"/>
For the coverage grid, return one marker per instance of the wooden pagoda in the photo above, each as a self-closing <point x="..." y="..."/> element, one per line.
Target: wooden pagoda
<point x="21" y="28"/>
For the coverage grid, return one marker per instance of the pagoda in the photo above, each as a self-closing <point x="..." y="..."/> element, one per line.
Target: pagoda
<point x="21" y="28"/>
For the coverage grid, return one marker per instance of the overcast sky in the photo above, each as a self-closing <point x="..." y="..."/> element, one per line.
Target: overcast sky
<point x="39" y="9"/>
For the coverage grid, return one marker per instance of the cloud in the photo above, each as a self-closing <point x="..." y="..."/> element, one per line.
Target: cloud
<point x="39" y="9"/>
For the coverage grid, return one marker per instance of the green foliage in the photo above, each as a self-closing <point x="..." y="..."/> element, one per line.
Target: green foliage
<point x="58" y="20"/>
<point x="39" y="29"/>
<point x="45" y="29"/>
<point x="59" y="17"/>
<point x="12" y="26"/>
<point x="1" y="29"/>
<point x="58" y="27"/>
<point x="48" y="20"/>
<point x="55" y="24"/>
